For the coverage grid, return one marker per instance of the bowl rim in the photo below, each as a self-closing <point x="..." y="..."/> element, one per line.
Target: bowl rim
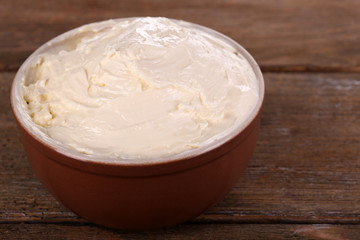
<point x="76" y="159"/>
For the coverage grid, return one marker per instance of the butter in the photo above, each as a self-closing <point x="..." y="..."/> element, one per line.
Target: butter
<point x="139" y="88"/>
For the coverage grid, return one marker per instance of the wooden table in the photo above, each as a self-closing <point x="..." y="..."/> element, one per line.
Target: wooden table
<point x="304" y="178"/>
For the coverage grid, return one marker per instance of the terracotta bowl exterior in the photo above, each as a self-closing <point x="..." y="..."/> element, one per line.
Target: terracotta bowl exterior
<point x="143" y="196"/>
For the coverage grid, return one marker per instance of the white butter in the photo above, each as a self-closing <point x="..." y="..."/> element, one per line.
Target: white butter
<point x="144" y="87"/>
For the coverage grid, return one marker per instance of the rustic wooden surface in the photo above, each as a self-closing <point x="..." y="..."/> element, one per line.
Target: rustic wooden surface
<point x="304" y="179"/>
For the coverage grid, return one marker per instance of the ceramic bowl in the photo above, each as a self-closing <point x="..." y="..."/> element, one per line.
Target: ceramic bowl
<point x="139" y="195"/>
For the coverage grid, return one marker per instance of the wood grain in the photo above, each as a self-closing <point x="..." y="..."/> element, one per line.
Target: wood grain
<point x="305" y="168"/>
<point x="304" y="179"/>
<point x="288" y="35"/>
<point x="184" y="231"/>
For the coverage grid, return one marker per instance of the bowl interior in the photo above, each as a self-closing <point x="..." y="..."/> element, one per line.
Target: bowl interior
<point x="18" y="106"/>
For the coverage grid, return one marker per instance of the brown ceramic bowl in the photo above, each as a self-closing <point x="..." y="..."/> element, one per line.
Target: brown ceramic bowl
<point x="133" y="195"/>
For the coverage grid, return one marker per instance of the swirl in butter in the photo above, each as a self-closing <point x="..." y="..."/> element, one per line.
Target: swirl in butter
<point x="141" y="87"/>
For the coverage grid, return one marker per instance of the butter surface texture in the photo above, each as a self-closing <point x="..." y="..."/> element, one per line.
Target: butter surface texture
<point x="143" y="87"/>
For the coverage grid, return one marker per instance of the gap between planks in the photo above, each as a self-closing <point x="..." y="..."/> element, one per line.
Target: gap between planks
<point x="200" y="220"/>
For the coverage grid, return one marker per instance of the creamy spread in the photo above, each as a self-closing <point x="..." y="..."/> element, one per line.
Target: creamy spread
<point x="141" y="87"/>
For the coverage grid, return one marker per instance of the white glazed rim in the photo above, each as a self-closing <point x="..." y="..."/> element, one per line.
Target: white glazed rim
<point x="33" y="129"/>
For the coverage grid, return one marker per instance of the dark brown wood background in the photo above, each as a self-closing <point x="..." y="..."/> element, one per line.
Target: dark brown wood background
<point x="304" y="179"/>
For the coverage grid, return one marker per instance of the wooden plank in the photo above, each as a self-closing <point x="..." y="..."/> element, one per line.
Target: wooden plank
<point x="184" y="231"/>
<point x="283" y="36"/>
<point x="306" y="167"/>
<point x="307" y="161"/>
